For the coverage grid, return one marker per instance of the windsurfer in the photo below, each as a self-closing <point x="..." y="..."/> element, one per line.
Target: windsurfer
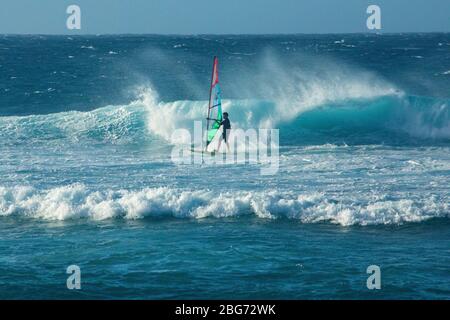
<point x="226" y="128"/>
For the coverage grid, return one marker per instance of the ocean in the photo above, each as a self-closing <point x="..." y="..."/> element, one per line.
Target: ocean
<point x="87" y="175"/>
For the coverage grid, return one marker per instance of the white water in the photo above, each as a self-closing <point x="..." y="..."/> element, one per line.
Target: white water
<point x="77" y="201"/>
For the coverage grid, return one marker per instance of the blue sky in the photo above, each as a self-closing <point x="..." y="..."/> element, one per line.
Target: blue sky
<point x="219" y="17"/>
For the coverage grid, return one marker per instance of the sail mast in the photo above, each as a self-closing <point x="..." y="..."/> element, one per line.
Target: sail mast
<point x="214" y="105"/>
<point x="209" y="101"/>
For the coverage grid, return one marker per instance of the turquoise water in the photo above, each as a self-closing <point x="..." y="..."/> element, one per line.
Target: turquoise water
<point x="231" y="258"/>
<point x="87" y="178"/>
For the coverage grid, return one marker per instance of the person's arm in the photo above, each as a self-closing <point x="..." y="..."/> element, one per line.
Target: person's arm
<point x="216" y="121"/>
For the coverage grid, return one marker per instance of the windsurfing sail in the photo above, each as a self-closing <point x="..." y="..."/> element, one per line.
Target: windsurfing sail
<point x="214" y="118"/>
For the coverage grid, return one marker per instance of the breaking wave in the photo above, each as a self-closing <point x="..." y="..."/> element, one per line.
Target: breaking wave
<point x="78" y="202"/>
<point x="354" y="121"/>
<point x="319" y="106"/>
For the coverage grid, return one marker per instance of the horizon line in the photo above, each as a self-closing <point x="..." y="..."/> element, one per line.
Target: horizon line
<point x="226" y="34"/>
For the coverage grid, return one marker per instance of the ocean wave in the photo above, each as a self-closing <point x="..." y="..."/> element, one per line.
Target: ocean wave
<point x="349" y="114"/>
<point x="111" y="124"/>
<point x="78" y="202"/>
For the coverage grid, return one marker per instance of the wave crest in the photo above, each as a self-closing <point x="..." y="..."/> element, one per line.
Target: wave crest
<point x="77" y="201"/>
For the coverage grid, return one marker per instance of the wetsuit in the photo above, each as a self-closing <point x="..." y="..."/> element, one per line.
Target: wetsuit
<point x="226" y="128"/>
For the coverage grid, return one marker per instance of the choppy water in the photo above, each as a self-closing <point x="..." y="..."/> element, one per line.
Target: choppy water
<point x="87" y="177"/>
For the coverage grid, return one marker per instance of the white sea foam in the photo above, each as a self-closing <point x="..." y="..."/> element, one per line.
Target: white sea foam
<point x="77" y="201"/>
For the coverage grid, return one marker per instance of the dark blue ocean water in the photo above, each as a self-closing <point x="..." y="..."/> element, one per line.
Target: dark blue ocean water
<point x="87" y="177"/>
